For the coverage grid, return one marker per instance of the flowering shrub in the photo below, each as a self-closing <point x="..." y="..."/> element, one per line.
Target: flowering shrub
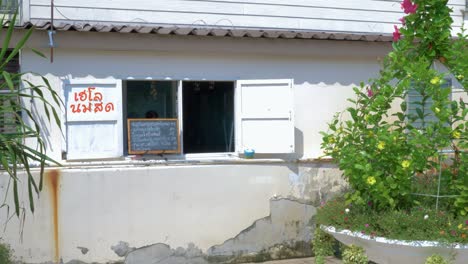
<point x="417" y="223"/>
<point x="383" y="144"/>
<point x="354" y="255"/>
<point x="436" y="259"/>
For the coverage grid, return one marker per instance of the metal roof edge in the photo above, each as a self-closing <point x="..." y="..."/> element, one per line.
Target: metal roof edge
<point x="201" y="30"/>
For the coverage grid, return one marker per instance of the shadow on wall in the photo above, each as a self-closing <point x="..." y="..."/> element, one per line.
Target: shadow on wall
<point x="339" y="63"/>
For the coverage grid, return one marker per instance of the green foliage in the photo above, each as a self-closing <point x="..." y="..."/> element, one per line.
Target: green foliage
<point x="411" y="224"/>
<point x="382" y="144"/>
<point x="354" y="255"/>
<point x="436" y="259"/>
<point x="5" y="254"/>
<point x="22" y="123"/>
<point x="322" y="245"/>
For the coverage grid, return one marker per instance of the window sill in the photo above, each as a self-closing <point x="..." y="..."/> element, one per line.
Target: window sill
<point x="208" y="160"/>
<point x="186" y="160"/>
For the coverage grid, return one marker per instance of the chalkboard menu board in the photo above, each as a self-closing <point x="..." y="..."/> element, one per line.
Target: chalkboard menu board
<point x="153" y="136"/>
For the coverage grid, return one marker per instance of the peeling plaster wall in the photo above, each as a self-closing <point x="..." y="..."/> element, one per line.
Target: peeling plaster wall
<point x="205" y="205"/>
<point x="228" y="208"/>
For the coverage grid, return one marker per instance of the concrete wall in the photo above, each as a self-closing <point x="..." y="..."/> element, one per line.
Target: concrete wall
<point x="363" y="16"/>
<point x="224" y="210"/>
<point x="188" y="210"/>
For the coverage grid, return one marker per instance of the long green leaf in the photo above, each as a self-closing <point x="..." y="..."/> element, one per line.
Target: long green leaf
<point x="7" y="38"/>
<point x="15" y="190"/>
<point x="8" y="80"/>
<point x="17" y="48"/>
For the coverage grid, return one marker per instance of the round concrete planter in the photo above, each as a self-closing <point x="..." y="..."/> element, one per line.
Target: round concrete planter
<point x="389" y="251"/>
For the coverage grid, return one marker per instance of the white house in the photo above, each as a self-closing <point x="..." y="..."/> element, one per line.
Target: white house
<point x="222" y="77"/>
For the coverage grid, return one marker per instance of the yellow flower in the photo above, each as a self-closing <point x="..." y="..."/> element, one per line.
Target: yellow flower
<point x="405" y="164"/>
<point x="460" y="77"/>
<point x="371" y="180"/>
<point x="435" y="80"/>
<point x="456" y="134"/>
<point x="460" y="226"/>
<point x="437" y="110"/>
<point x="381" y="145"/>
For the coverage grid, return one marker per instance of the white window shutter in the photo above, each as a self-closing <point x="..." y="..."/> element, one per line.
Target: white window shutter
<point x="265" y="116"/>
<point x="93" y="119"/>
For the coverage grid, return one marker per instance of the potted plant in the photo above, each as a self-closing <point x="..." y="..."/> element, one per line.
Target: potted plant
<point x="402" y="145"/>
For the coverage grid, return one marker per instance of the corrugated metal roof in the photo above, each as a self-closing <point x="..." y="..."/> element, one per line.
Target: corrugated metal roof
<point x="205" y="31"/>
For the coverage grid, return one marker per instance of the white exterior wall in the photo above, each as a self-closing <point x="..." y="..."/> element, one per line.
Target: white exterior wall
<point x="102" y="203"/>
<point x="358" y="16"/>
<point x="204" y="205"/>
<point x="323" y="71"/>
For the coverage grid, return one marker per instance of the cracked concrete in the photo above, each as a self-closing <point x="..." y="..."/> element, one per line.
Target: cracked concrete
<point x="286" y="225"/>
<point x="285" y="233"/>
<point x="122" y="249"/>
<point x="163" y="254"/>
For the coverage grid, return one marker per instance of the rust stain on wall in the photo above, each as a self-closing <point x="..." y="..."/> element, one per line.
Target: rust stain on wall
<point x="52" y="180"/>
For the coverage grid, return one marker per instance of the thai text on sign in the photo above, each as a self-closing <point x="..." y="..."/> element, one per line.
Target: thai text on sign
<point x="90" y="101"/>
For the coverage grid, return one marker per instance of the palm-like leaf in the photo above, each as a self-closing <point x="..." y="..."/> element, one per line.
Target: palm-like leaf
<point x="18" y="122"/>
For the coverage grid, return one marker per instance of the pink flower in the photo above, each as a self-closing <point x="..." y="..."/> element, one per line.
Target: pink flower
<point x="408" y="7"/>
<point x="403" y="21"/>
<point x="466" y="222"/>
<point x="370" y="93"/>
<point x="396" y="34"/>
<point x="366" y="225"/>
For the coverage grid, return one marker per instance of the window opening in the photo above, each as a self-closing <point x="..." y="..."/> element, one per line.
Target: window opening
<point x="148" y="99"/>
<point x="208" y="116"/>
<point x="8" y="6"/>
<point x="10" y="108"/>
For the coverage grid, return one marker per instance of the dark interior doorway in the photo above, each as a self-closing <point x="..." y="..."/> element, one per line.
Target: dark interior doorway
<point x="208" y="117"/>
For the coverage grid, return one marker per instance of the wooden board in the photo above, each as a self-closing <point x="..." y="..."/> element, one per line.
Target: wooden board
<point x="153" y="136"/>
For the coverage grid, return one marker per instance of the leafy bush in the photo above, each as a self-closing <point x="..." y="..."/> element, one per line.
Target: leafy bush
<point x="413" y="224"/>
<point x="22" y="123"/>
<point x="436" y="259"/>
<point x="322" y="245"/>
<point x="384" y="144"/>
<point x="5" y="254"/>
<point x="354" y="255"/>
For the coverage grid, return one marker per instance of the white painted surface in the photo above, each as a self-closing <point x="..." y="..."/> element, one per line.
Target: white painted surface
<point x="93" y="118"/>
<point x="100" y="206"/>
<point x="265" y="110"/>
<point x="164" y="204"/>
<point x="323" y="78"/>
<point x="364" y="16"/>
<point x="181" y="204"/>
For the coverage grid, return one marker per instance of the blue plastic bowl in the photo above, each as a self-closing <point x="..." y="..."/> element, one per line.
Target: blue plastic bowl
<point x="249" y="153"/>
